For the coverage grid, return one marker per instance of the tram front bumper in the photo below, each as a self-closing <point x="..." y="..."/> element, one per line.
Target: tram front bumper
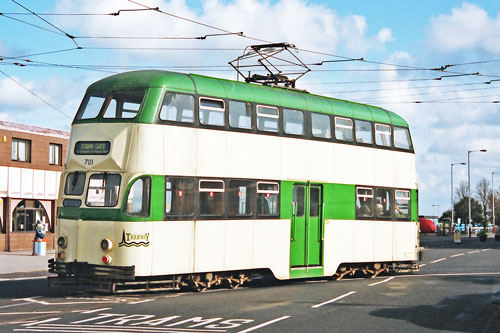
<point x="83" y="274"/>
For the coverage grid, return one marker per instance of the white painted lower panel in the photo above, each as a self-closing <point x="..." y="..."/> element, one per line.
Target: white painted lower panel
<point x="348" y="241"/>
<point x="179" y="247"/>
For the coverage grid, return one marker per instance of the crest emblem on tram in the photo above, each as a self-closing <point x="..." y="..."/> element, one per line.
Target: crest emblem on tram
<point x="134" y="239"/>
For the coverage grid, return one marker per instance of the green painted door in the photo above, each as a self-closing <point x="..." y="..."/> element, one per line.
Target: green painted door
<point x="307" y="223"/>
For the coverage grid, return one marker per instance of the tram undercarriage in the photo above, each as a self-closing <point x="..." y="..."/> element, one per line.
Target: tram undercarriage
<point x="116" y="279"/>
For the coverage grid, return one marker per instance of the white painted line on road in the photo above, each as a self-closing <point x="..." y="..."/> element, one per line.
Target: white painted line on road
<point x="485" y="250"/>
<point x="41" y="322"/>
<point x="477" y="251"/>
<point x="30" y="299"/>
<point x="264" y="324"/>
<point x="449" y="274"/>
<point x="333" y="300"/>
<point x="91" y="311"/>
<point x="422" y="265"/>
<point x="144" y="301"/>
<point x="24" y="278"/>
<point x="11" y="305"/>
<point x="27" y="312"/>
<point x="457" y="255"/>
<point x="384" y="281"/>
<point x="437" y="260"/>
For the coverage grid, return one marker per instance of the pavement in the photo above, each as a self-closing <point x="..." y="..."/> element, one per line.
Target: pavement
<point x="25" y="262"/>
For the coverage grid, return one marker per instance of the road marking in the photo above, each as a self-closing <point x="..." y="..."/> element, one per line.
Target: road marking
<point x="333" y="300"/>
<point x="422" y="265"/>
<point x="110" y="328"/>
<point x="41" y="321"/>
<point x="30" y="299"/>
<point x="457" y="255"/>
<point x="449" y="274"/>
<point x="144" y="301"/>
<point x="264" y="324"/>
<point x="437" y="260"/>
<point x="91" y="311"/>
<point x="485" y="250"/>
<point x="384" y="281"/>
<point x="477" y="251"/>
<point x="24" y="278"/>
<point x="11" y="305"/>
<point x="28" y="312"/>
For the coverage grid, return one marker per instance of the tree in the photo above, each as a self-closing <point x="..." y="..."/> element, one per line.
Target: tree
<point x="461" y="191"/>
<point x="462" y="210"/>
<point x="483" y="194"/>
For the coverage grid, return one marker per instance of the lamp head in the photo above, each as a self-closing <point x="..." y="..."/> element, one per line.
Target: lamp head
<point x="483" y="150"/>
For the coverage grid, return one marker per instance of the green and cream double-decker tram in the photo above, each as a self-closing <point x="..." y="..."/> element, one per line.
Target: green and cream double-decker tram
<point x="185" y="180"/>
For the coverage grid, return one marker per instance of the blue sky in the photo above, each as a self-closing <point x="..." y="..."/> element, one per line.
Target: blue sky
<point x="457" y="114"/>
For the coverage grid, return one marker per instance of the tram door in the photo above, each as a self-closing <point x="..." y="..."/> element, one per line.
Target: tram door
<point x="307" y="224"/>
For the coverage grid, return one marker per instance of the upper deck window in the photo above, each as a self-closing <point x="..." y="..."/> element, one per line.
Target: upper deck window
<point x="383" y="135"/>
<point x="177" y="107"/>
<point x="364" y="132"/>
<point x="211" y="111"/>
<point x="103" y="190"/>
<point x="402" y="138"/>
<point x="321" y="127"/>
<point x="343" y="129"/>
<point x="124" y="104"/>
<point x="267" y="118"/>
<point x="91" y="105"/>
<point x="240" y="115"/>
<point x="293" y="122"/>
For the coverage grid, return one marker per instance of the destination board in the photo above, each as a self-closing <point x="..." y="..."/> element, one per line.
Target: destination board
<point x="92" y="147"/>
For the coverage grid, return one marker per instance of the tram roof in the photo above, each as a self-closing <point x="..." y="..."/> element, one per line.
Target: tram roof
<point x="256" y="93"/>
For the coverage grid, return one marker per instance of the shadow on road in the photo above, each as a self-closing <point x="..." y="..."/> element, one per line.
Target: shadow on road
<point x="462" y="313"/>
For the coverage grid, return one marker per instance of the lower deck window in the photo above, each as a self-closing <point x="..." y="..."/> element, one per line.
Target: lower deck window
<point x="139" y="197"/>
<point x="103" y="190"/>
<point x="364" y="202"/>
<point x="240" y="198"/>
<point x="179" y="197"/>
<point x="267" y="198"/>
<point x="383" y="203"/>
<point x="211" y="197"/>
<point x="402" y="204"/>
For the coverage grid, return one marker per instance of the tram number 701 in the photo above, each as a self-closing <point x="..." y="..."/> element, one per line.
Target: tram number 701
<point x="88" y="161"/>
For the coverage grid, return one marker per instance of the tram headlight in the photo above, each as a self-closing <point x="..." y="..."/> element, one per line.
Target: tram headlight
<point x="62" y="242"/>
<point x="106" y="244"/>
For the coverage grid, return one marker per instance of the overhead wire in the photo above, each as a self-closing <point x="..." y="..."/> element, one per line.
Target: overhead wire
<point x="34" y="94"/>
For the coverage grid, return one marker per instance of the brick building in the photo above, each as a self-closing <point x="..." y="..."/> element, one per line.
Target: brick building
<point x="31" y="163"/>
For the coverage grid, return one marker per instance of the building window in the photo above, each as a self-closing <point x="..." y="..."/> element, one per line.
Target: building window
<point x="27" y="213"/>
<point x="55" y="153"/>
<point x="21" y="150"/>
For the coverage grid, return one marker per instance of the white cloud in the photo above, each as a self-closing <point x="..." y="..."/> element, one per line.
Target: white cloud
<point x="385" y="35"/>
<point x="468" y="27"/>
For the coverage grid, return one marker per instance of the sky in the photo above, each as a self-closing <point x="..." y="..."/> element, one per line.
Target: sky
<point x="47" y="61"/>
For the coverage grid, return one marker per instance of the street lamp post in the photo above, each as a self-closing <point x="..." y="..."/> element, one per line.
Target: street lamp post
<point x="437" y="213"/>
<point x="452" y="195"/>
<point x="468" y="185"/>
<point x="493" y="199"/>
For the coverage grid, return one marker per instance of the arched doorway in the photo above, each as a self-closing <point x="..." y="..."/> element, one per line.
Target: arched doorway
<point x="26" y="213"/>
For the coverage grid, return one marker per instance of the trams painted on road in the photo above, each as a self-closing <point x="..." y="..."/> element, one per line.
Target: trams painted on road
<point x="185" y="180"/>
